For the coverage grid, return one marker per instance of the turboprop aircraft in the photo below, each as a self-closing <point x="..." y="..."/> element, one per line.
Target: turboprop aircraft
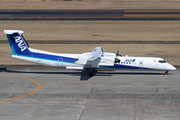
<point x="90" y="60"/>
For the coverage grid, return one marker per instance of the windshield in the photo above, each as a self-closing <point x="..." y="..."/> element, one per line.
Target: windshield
<point x="162" y="61"/>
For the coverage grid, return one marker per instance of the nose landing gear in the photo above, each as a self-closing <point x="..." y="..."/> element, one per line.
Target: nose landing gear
<point x="166" y="73"/>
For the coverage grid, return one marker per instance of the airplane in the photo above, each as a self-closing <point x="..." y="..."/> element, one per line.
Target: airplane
<point x="89" y="60"/>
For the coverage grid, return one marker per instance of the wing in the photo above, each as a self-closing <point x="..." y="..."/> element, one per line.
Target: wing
<point x="97" y="53"/>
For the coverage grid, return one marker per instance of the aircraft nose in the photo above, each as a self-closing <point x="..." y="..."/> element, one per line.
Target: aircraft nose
<point x="172" y="67"/>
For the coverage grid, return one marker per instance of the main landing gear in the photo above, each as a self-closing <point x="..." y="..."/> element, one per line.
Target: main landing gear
<point x="93" y="71"/>
<point x="166" y="73"/>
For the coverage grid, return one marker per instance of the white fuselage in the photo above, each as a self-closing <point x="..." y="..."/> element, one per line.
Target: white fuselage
<point x="90" y="60"/>
<point x="79" y="61"/>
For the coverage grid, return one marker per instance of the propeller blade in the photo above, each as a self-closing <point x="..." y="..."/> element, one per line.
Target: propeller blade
<point x="117" y="52"/>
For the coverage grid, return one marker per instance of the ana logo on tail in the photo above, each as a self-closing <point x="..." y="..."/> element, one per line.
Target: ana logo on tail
<point x="20" y="43"/>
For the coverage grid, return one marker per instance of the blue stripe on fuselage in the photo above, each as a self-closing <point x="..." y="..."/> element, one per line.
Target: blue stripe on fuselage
<point x="51" y="57"/>
<point x="121" y="66"/>
<point x="125" y="66"/>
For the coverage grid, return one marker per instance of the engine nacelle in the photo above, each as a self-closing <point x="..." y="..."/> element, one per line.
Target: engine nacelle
<point x="107" y="61"/>
<point x="117" y="60"/>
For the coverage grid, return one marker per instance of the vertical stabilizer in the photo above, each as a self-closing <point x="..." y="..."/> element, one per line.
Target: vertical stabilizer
<point x="17" y="42"/>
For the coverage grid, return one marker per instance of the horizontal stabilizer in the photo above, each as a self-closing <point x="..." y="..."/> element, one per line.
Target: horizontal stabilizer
<point x="13" y="31"/>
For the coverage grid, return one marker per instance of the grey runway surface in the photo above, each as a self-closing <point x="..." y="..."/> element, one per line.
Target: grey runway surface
<point x="89" y="14"/>
<point x="109" y="95"/>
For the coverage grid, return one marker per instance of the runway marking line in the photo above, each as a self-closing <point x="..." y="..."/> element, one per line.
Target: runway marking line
<point x="151" y="15"/>
<point x="25" y="94"/>
<point x="152" y="10"/>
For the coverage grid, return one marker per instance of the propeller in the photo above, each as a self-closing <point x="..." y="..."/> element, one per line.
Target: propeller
<point x="117" y="54"/>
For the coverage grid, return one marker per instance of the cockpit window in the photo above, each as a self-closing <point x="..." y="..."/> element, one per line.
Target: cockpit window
<point x="162" y="61"/>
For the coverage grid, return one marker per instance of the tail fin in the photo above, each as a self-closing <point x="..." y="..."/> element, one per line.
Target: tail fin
<point x="17" y="42"/>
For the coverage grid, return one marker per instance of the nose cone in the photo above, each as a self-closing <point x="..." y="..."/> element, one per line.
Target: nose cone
<point x="172" y="67"/>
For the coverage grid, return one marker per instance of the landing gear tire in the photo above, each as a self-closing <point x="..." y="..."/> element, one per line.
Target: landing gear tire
<point x="91" y="74"/>
<point x="93" y="71"/>
<point x="166" y="73"/>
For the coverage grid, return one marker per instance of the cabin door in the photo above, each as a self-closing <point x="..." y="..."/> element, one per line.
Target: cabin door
<point x="60" y="62"/>
<point x="140" y="64"/>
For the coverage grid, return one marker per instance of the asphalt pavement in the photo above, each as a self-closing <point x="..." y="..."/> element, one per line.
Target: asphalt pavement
<point x="43" y="94"/>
